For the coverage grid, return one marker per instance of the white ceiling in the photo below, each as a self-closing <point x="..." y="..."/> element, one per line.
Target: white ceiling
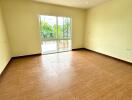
<point x="74" y="3"/>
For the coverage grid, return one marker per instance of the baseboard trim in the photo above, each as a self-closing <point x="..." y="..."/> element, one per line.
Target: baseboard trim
<point x="78" y="49"/>
<point x="22" y="56"/>
<point x="108" y="56"/>
<point x="1" y="74"/>
<point x="4" y="70"/>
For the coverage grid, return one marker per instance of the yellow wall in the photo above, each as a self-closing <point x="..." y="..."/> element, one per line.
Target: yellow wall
<point x="109" y="29"/>
<point x="4" y="46"/>
<point x="21" y="18"/>
<point x="108" y="26"/>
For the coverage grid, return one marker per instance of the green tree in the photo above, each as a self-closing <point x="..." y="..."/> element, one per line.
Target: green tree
<point x="56" y="31"/>
<point x="46" y="30"/>
<point x="66" y="28"/>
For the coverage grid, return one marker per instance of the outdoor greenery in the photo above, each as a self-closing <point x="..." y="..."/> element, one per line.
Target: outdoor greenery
<point x="53" y="31"/>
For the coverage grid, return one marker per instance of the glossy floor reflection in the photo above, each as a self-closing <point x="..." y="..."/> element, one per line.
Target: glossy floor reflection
<point x="75" y="75"/>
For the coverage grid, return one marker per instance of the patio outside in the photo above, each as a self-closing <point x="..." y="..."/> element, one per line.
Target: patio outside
<point x="51" y="46"/>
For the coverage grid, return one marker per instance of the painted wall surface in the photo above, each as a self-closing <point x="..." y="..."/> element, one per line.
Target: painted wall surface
<point x="21" y="18"/>
<point x="109" y="29"/>
<point x="4" y="46"/>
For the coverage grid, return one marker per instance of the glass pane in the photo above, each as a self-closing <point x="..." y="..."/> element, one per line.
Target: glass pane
<point x="64" y="33"/>
<point x="69" y="33"/>
<point x="48" y="28"/>
<point x="60" y="28"/>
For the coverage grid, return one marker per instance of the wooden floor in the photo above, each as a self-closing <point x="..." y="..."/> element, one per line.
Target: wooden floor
<point x="75" y="75"/>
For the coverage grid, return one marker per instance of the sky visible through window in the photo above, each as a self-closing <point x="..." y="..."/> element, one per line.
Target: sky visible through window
<point x="52" y="20"/>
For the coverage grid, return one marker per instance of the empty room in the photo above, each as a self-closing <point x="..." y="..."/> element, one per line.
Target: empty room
<point x="65" y="49"/>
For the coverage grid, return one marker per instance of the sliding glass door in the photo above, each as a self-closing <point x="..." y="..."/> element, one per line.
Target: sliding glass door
<point x="64" y="33"/>
<point x="55" y="34"/>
